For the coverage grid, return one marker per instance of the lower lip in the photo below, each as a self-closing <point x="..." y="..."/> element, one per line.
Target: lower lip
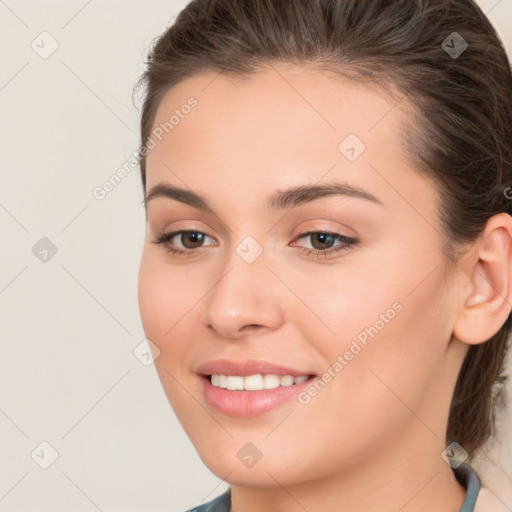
<point x="244" y="404"/>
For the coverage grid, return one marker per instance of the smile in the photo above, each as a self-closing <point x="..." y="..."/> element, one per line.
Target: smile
<point x="247" y="388"/>
<point x="255" y="382"/>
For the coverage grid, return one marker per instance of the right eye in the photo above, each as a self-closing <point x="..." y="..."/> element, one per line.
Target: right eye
<point x="192" y="238"/>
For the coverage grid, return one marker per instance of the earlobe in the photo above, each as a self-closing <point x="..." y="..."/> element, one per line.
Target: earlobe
<point x="488" y="303"/>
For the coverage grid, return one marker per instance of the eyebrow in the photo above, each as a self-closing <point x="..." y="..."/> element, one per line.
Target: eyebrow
<point x="279" y="200"/>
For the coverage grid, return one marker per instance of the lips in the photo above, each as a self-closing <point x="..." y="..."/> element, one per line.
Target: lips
<point x="248" y="367"/>
<point x="224" y="386"/>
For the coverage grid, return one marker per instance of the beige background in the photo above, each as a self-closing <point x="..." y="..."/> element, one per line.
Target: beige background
<point x="69" y="326"/>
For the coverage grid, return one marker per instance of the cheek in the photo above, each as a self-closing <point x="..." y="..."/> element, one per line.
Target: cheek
<point x="150" y="298"/>
<point x="168" y="313"/>
<point x="160" y="300"/>
<point x="394" y="326"/>
<point x="401" y="353"/>
<point x="338" y="305"/>
<point x="329" y="299"/>
<point x="162" y="293"/>
<point x="163" y="314"/>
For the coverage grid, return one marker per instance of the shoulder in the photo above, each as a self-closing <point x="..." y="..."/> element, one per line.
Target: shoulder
<point x="221" y="503"/>
<point x="479" y="498"/>
<point x="487" y="501"/>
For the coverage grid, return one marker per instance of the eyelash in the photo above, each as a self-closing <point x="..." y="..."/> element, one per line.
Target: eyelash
<point x="347" y="243"/>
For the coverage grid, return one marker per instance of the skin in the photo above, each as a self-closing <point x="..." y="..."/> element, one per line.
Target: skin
<point x="372" y="439"/>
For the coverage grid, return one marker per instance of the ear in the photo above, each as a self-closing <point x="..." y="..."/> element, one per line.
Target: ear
<point x="488" y="302"/>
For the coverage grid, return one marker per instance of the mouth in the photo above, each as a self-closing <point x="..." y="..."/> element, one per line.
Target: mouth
<point x="250" y="388"/>
<point x="255" y="382"/>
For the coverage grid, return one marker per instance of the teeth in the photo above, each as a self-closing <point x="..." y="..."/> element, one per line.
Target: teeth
<point x="287" y="380"/>
<point x="255" y="382"/>
<point x="252" y="382"/>
<point x="233" y="382"/>
<point x="271" y="381"/>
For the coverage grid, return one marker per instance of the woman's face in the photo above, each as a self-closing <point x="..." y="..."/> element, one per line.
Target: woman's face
<point x="360" y="306"/>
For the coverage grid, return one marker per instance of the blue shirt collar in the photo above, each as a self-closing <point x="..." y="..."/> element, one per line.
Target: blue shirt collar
<point x="469" y="479"/>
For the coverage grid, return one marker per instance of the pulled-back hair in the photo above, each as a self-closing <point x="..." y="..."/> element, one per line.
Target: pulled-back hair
<point x="461" y="137"/>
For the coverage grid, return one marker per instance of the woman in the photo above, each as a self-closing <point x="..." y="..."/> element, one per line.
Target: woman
<point x="326" y="276"/>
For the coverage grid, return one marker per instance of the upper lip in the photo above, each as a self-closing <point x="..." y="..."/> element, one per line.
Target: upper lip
<point x="247" y="367"/>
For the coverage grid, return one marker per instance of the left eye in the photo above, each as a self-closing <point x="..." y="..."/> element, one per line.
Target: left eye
<point x="322" y="238"/>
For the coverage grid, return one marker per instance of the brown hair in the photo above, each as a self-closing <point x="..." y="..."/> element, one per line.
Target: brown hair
<point x="461" y="137"/>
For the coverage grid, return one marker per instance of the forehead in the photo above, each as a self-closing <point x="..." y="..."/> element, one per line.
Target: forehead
<point x="278" y="127"/>
<point x="275" y="97"/>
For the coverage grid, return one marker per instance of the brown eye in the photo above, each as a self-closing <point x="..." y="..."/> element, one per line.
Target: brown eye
<point x="320" y="240"/>
<point x="322" y="243"/>
<point x="191" y="242"/>
<point x="191" y="239"/>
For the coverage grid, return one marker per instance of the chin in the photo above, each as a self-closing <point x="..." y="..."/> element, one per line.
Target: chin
<point x="239" y="463"/>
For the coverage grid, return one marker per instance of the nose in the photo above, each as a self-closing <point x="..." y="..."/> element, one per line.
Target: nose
<point x="245" y="298"/>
